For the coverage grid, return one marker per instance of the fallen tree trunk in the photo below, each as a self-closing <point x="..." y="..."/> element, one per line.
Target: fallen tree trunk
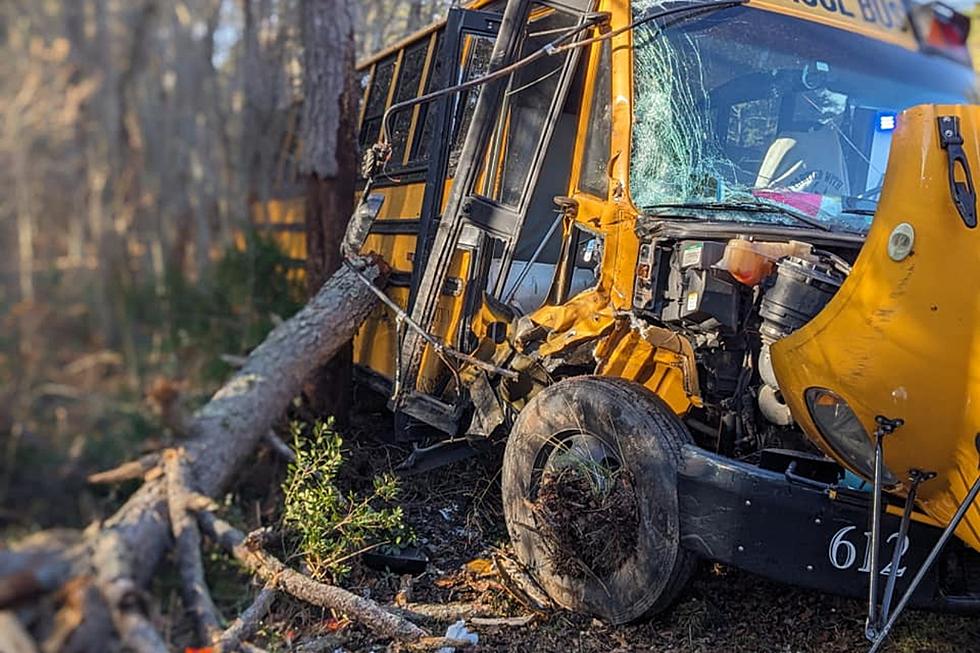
<point x="123" y="553"/>
<point x="226" y="430"/>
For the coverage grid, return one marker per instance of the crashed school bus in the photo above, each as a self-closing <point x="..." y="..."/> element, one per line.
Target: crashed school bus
<point x="710" y="268"/>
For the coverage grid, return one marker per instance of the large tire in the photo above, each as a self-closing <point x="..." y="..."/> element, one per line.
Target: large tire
<point x="622" y="426"/>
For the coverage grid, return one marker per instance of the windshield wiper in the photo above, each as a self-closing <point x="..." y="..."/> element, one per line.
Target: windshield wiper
<point x="757" y="206"/>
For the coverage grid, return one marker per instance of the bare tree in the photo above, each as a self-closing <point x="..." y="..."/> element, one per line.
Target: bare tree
<point x="329" y="163"/>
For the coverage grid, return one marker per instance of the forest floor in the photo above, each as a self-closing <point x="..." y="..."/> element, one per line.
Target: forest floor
<point x="456" y="515"/>
<point x="85" y="413"/>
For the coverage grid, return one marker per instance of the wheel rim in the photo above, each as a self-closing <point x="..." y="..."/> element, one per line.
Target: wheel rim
<point x="576" y="449"/>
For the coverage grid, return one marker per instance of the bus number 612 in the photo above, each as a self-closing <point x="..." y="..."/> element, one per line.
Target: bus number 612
<point x="843" y="552"/>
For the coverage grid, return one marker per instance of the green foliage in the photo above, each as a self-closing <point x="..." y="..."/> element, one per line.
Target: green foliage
<point x="333" y="525"/>
<point x="230" y="314"/>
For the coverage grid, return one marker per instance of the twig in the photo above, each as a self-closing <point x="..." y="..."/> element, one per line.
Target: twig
<point x="187" y="544"/>
<point x="231" y="360"/>
<point x="244" y="626"/>
<point x="503" y="621"/>
<point x="447" y="612"/>
<point x="127" y="471"/>
<point x="274" y="572"/>
<point x="436" y="643"/>
<point x="276" y="444"/>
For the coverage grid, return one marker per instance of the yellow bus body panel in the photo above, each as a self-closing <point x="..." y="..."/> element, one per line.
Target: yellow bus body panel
<point x="902" y="338"/>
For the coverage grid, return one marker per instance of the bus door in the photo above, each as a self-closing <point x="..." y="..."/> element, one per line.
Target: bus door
<point x="494" y="171"/>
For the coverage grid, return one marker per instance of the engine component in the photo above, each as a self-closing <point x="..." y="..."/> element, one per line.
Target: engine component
<point x="800" y="290"/>
<point x="750" y="261"/>
<point x="699" y="295"/>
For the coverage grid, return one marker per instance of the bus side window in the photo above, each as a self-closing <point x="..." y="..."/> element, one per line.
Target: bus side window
<point x="407" y="88"/>
<point x="594" y="178"/>
<point x="421" y="146"/>
<point x="377" y="101"/>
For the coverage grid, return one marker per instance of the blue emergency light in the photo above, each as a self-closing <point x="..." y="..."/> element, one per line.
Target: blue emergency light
<point x="886" y="122"/>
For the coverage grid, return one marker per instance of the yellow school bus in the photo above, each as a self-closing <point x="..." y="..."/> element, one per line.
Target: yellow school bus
<point x="708" y="268"/>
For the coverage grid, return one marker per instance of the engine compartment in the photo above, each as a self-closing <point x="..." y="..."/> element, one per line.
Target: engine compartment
<point x="732" y="298"/>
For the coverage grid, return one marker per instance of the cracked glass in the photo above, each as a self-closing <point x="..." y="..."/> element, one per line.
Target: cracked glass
<point x="741" y="110"/>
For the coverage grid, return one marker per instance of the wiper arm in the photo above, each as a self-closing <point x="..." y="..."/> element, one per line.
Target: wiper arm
<point x="745" y="207"/>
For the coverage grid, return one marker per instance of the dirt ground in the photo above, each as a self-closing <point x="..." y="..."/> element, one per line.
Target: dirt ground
<point x="456" y="515"/>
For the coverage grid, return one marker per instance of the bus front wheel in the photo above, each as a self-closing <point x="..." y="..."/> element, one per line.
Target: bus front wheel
<point x="590" y="497"/>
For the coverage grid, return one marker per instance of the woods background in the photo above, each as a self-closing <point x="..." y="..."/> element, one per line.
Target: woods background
<point x="138" y="139"/>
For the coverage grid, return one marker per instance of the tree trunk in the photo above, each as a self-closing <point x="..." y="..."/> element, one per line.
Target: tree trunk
<point x="25" y="223"/>
<point x="329" y="163"/>
<point x="223" y="434"/>
<point x="227" y="428"/>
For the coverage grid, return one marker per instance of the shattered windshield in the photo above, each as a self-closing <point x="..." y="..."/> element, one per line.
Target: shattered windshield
<point x="738" y="110"/>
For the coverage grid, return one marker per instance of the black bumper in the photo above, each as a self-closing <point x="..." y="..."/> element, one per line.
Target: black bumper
<point x="808" y="534"/>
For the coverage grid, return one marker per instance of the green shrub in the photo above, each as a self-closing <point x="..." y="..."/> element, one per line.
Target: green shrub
<point x="335" y="526"/>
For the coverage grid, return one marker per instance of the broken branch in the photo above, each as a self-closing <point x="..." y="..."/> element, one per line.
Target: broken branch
<point x="274" y="572"/>
<point x="244" y="626"/>
<point x="126" y="471"/>
<point x="187" y="542"/>
<point x="276" y="444"/>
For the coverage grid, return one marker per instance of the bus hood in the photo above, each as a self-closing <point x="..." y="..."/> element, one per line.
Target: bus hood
<point x="901" y="338"/>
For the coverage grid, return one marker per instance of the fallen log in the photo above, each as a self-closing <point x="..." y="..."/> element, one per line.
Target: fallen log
<point x="124" y="552"/>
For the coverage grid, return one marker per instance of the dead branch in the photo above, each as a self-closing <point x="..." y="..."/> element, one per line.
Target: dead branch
<point x="187" y="542"/>
<point x="127" y="471"/>
<point x="82" y="621"/>
<point x="27" y="574"/>
<point x="438" y="643"/>
<point x="445" y="612"/>
<point x="15" y="638"/>
<point x="126" y="602"/>
<point x="244" y="626"/>
<point x="515" y="622"/>
<point x="276" y="444"/>
<point x="274" y="572"/>
<point x="232" y="360"/>
<point x="128" y="610"/>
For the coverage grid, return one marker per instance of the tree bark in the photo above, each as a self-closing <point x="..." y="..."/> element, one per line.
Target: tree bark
<point x="226" y="430"/>
<point x="124" y="552"/>
<point x="329" y="163"/>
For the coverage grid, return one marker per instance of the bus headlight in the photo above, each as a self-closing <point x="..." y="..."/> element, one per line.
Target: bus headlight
<point x="842" y="430"/>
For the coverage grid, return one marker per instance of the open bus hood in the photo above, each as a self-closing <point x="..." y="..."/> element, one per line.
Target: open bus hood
<point x="902" y="338"/>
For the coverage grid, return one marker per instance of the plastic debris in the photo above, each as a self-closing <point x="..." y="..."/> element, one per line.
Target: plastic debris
<point x="458" y="631"/>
